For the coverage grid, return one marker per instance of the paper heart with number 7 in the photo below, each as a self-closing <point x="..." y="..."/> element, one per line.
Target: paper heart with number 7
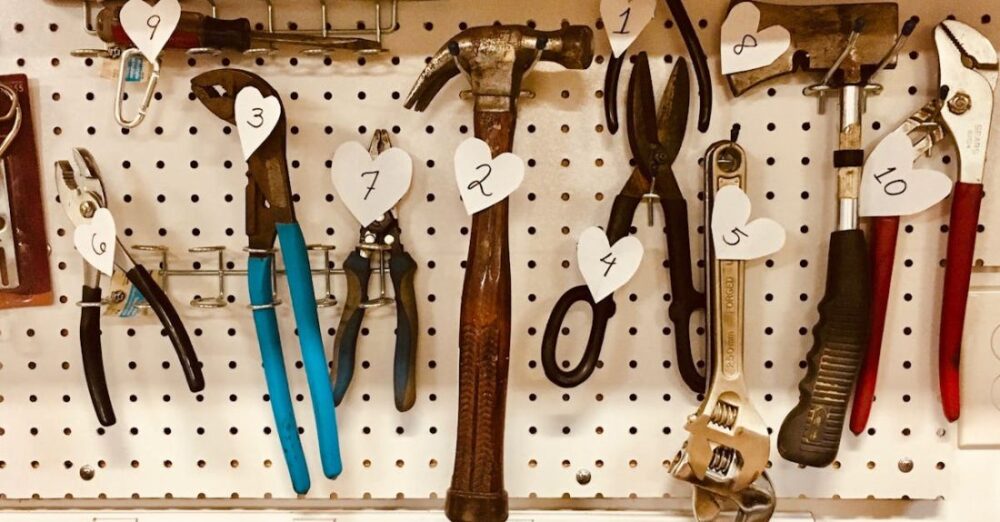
<point x="736" y="239"/>
<point x="370" y="187"/>
<point x="605" y="267"/>
<point x="890" y="186"/>
<point x="483" y="180"/>
<point x="744" y="47"/>
<point x="150" y="26"/>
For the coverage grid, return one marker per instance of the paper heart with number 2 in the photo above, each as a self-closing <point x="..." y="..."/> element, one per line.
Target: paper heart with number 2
<point x="890" y="186"/>
<point x="606" y="267"/>
<point x="734" y="237"/>
<point x="150" y="26"/>
<point x="370" y="187"/>
<point x="482" y="179"/>
<point x="744" y="47"/>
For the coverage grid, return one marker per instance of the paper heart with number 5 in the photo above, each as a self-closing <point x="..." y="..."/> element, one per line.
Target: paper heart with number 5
<point x="607" y="267"/>
<point x="624" y="20"/>
<point x="483" y="180"/>
<point x="256" y="117"/>
<point x="890" y="186"/>
<point x="150" y="26"/>
<point x="96" y="241"/>
<point x="744" y="47"/>
<point x="370" y="187"/>
<point x="735" y="238"/>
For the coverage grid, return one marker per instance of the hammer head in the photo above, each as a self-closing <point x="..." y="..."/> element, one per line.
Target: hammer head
<point x="819" y="34"/>
<point x="495" y="59"/>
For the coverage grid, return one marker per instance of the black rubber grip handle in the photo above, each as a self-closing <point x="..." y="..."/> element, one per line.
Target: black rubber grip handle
<point x="602" y="313"/>
<point x="810" y="434"/>
<point x="402" y="269"/>
<point x="611" y="77"/>
<point x="93" y="356"/>
<point x="698" y="59"/>
<point x="165" y="311"/>
<point x="226" y="34"/>
<point x="685" y="298"/>
<point x="358" y="271"/>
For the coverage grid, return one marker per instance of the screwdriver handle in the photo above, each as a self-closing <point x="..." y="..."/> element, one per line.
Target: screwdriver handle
<point x="194" y="30"/>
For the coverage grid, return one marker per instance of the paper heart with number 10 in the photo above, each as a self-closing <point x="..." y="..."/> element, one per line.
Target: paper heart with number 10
<point x="606" y="267"/>
<point x="890" y="186"/>
<point x="150" y="26"/>
<point x="735" y="238"/>
<point x="483" y="180"/>
<point x="744" y="47"/>
<point x="370" y="187"/>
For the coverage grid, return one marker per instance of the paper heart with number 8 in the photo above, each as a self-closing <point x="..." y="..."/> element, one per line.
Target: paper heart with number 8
<point x="150" y="26"/>
<point x="735" y="238"/>
<point x="744" y="48"/>
<point x="606" y="267"/>
<point x="482" y="179"/>
<point x="95" y="241"/>
<point x="890" y="186"/>
<point x="370" y="187"/>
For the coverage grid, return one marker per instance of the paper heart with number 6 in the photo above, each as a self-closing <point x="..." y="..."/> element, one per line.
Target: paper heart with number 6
<point x="370" y="187"/>
<point x="150" y="26"/>
<point x="482" y="179"/>
<point x="96" y="241"/>
<point x="256" y="117"/>
<point x="607" y="267"/>
<point x="733" y="236"/>
<point x="744" y="48"/>
<point x="890" y="186"/>
<point x="624" y="20"/>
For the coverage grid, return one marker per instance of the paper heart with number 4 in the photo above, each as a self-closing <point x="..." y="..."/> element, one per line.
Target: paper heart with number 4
<point x="624" y="20"/>
<point x="735" y="238"/>
<point x="744" y="47"/>
<point x="150" y="26"/>
<point x="483" y="180"/>
<point x="256" y="118"/>
<point x="95" y="241"/>
<point x="370" y="187"/>
<point x="606" y="267"/>
<point x="890" y="186"/>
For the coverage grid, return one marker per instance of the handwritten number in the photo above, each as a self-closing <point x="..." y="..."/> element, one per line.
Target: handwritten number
<point x="153" y="22"/>
<point x="258" y="113"/>
<point x="748" y="41"/>
<point x="613" y="262"/>
<point x="479" y="183"/>
<point x="736" y="237"/>
<point x="625" y="14"/>
<point x="894" y="187"/>
<point x="371" y="187"/>
<point x="98" y="248"/>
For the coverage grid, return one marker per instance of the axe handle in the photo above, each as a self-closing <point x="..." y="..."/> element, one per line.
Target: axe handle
<point x="477" y="493"/>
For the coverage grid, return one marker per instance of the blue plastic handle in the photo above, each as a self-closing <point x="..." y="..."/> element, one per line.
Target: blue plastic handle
<point x="299" y="274"/>
<point x="259" y="275"/>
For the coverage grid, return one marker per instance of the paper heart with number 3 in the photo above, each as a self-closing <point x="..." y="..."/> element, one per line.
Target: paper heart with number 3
<point x="96" y="241"/>
<point x="890" y="186"/>
<point x="150" y="26"/>
<point x="256" y="117"/>
<point x="370" y="187"/>
<point x="483" y="180"/>
<point x="624" y="20"/>
<point x="607" y="267"/>
<point x="735" y="238"/>
<point x="744" y="47"/>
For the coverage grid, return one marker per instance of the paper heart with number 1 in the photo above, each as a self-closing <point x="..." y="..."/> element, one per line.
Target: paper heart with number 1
<point x="95" y="241"/>
<point x="370" y="187"/>
<point x="607" y="267"/>
<point x="150" y="26"/>
<point x="624" y="20"/>
<point x="256" y="117"/>
<point x="483" y="180"/>
<point x="735" y="238"/>
<point x="744" y="47"/>
<point x="890" y="186"/>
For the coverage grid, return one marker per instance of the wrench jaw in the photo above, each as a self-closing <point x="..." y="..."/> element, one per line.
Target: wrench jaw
<point x="712" y="495"/>
<point x="728" y="441"/>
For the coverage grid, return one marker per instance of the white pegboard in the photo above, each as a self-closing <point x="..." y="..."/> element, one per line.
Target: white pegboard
<point x="178" y="181"/>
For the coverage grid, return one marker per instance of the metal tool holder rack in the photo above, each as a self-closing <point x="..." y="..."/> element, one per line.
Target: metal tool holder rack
<point x="176" y="181"/>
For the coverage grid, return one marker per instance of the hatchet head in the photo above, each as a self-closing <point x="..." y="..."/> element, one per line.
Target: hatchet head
<point x="496" y="58"/>
<point x="819" y="34"/>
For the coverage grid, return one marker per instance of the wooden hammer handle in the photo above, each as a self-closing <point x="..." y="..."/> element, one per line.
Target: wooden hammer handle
<point x="477" y="493"/>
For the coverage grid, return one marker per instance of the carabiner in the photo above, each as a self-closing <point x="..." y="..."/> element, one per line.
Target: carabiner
<point x="154" y="77"/>
<point x="14" y="113"/>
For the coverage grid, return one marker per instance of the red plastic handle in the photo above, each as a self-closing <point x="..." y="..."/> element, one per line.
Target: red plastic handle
<point x="965" y="206"/>
<point x="883" y="255"/>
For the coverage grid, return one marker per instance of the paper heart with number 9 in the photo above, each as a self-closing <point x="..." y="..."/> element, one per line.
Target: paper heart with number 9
<point x="150" y="26"/>
<point x="890" y="186"/>
<point x="607" y="267"/>
<point x="370" y="187"/>
<point x="744" y="48"/>
<point x="733" y="236"/>
<point x="482" y="179"/>
<point x="96" y="241"/>
<point x="624" y="20"/>
<point x="256" y="117"/>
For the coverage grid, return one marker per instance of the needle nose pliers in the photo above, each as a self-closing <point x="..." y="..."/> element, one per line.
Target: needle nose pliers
<point x="270" y="214"/>
<point x="81" y="193"/>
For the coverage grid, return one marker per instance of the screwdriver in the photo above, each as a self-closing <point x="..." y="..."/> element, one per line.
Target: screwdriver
<point x="195" y="30"/>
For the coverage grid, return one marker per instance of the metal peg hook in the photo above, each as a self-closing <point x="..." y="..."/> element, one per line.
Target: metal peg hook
<point x="328" y="299"/>
<point x="382" y="299"/>
<point x="219" y="301"/>
<point x="274" y="278"/>
<point x="162" y="270"/>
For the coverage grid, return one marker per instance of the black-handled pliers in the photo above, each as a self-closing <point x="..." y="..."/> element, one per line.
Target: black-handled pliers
<point x="81" y="194"/>
<point x="655" y="139"/>
<point x="379" y="238"/>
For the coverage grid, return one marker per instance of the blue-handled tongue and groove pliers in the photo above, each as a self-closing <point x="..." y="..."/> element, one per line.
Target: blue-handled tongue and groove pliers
<point x="270" y="214"/>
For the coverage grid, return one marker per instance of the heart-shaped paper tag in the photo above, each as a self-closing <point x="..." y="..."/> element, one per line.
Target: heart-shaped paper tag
<point x="624" y="20"/>
<point x="733" y="236"/>
<point x="744" y="48"/>
<point x="482" y="179"/>
<point x="256" y="117"/>
<point x="606" y="267"/>
<point x="96" y="241"/>
<point x="370" y="187"/>
<point x="150" y="26"/>
<point x="890" y="186"/>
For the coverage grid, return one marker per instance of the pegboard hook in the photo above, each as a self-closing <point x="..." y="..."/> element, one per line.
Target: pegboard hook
<point x="154" y="77"/>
